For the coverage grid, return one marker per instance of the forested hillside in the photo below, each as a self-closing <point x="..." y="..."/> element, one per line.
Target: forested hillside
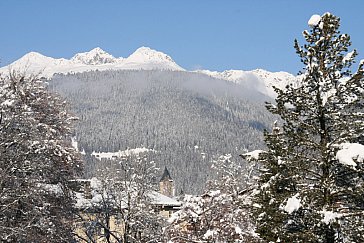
<point x="186" y="118"/>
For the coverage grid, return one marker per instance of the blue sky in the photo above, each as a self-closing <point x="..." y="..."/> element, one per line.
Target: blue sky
<point x="207" y="34"/>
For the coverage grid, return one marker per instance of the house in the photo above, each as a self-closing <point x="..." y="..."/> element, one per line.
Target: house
<point x="93" y="200"/>
<point x="88" y="193"/>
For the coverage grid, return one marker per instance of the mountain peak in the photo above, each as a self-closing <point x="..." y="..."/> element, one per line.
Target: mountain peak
<point x="152" y="58"/>
<point x="34" y="56"/>
<point x="146" y="54"/>
<point x="31" y="59"/>
<point x="96" y="56"/>
<point x="144" y="49"/>
<point x="97" y="50"/>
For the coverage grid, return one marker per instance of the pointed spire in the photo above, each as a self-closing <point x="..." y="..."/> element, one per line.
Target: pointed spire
<point x="166" y="176"/>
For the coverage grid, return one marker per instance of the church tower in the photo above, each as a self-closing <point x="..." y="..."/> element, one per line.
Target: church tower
<point x="166" y="184"/>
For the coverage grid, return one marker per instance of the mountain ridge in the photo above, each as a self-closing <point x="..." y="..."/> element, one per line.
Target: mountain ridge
<point x="144" y="58"/>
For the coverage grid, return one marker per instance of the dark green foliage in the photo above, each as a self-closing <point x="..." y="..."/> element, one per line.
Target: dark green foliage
<point x="319" y="114"/>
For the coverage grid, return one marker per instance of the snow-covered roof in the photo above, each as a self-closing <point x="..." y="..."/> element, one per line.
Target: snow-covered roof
<point x="96" y="194"/>
<point x="162" y="200"/>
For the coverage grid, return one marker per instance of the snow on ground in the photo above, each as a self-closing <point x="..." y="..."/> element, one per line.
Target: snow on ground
<point x="350" y="153"/>
<point x="119" y="154"/>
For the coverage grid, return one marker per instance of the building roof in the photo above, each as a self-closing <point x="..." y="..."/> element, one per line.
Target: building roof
<point x="163" y="200"/>
<point x="166" y="176"/>
<point x="97" y="195"/>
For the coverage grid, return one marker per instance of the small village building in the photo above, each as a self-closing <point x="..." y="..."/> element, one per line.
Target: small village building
<point x="87" y="195"/>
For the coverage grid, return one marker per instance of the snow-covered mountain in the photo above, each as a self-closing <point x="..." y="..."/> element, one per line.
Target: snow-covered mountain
<point x="96" y="56"/>
<point x="260" y="79"/>
<point x="144" y="58"/>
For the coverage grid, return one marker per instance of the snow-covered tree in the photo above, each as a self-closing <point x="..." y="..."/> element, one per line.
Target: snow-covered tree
<point x="125" y="196"/>
<point x="311" y="184"/>
<point x="36" y="162"/>
<point x="220" y="214"/>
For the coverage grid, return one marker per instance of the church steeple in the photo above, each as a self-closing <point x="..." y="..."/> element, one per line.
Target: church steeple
<point x="166" y="176"/>
<point x="166" y="185"/>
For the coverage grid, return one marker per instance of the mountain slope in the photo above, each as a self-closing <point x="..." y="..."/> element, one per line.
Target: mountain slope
<point x="186" y="118"/>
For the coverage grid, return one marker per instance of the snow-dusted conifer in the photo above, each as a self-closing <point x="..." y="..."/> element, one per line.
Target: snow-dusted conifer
<point x="221" y="213"/>
<point x="36" y="161"/>
<point x="307" y="191"/>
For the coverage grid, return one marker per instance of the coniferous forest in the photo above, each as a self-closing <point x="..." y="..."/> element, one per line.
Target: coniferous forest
<point x="188" y="119"/>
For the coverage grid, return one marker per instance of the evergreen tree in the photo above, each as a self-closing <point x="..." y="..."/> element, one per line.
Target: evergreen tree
<point x="307" y="191"/>
<point x="36" y="162"/>
<point x="221" y="213"/>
